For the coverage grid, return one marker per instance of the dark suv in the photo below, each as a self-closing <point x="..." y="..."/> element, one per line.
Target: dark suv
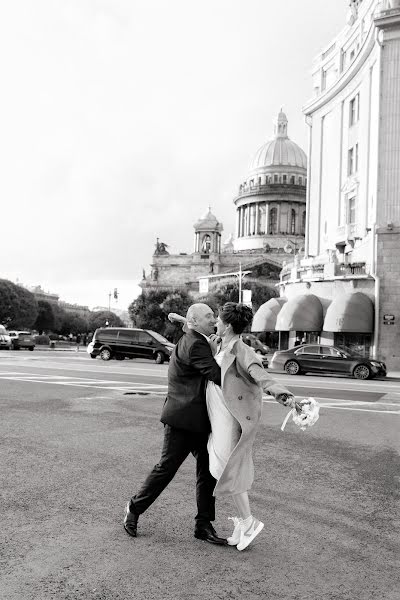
<point x="124" y="342"/>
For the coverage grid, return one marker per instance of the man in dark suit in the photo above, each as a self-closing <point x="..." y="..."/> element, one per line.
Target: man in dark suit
<point x="186" y="425"/>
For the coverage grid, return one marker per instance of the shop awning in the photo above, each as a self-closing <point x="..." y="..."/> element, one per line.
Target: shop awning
<point x="302" y="313"/>
<point x="265" y="317"/>
<point x="351" y="313"/>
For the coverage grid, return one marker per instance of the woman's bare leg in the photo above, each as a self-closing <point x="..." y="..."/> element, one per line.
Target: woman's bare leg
<point x="242" y="505"/>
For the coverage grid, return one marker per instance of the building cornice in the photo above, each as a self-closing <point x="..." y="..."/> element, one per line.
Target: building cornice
<point x="346" y="77"/>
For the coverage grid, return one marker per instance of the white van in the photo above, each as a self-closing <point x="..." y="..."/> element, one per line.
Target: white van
<point x="5" y="340"/>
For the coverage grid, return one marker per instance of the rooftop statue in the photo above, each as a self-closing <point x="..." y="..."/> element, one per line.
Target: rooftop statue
<point x="161" y="248"/>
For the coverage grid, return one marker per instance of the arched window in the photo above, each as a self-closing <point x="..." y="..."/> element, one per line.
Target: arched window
<point x="284" y="178"/>
<point x="206" y="245"/>
<point x="252" y="219"/>
<point x="303" y="223"/>
<point x="276" y="178"/>
<point x="292" y="179"/>
<point x="262" y="212"/>
<point x="273" y="221"/>
<point x="300" y="181"/>
<point x="293" y="221"/>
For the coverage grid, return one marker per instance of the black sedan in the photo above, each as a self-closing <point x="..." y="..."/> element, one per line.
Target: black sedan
<point x="315" y="358"/>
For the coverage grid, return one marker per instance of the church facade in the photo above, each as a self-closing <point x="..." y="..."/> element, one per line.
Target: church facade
<point x="270" y="225"/>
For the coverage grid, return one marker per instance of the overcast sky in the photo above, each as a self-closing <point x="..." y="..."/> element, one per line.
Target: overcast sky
<point x="122" y="120"/>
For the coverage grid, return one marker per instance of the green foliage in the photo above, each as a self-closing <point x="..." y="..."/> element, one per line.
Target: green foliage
<point x="146" y="311"/>
<point x="99" y="319"/>
<point x="45" y="319"/>
<point x="150" y="311"/>
<point x="74" y="323"/>
<point x="229" y="292"/>
<point x="18" y="306"/>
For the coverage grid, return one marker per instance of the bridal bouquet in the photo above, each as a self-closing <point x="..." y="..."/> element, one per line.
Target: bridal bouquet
<point x="309" y="414"/>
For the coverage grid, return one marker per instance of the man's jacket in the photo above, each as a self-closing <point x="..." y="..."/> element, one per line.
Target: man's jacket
<point x="191" y="366"/>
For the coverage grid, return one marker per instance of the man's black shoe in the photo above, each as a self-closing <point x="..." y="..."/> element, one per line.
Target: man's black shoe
<point x="130" y="521"/>
<point x="207" y="533"/>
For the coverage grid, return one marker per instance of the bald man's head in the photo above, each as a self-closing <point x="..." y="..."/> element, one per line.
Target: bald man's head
<point x="201" y="318"/>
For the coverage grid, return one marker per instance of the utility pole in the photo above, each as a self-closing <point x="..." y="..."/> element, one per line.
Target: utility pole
<point x="240" y="282"/>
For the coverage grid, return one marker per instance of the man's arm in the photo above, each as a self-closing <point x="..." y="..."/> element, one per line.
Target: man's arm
<point x="201" y="358"/>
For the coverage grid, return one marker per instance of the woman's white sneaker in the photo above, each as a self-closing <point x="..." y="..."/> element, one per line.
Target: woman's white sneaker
<point x="235" y="537"/>
<point x="248" y="532"/>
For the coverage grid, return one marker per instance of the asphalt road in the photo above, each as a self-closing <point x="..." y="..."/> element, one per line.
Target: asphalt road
<point x="77" y="437"/>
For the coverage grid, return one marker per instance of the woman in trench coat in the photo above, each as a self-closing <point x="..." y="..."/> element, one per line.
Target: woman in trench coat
<point x="235" y="410"/>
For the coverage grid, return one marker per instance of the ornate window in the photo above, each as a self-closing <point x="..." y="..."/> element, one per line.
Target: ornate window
<point x="262" y="213"/>
<point x="273" y="221"/>
<point x="292" y="222"/>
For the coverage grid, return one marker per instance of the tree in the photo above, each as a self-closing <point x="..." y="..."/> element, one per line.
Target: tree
<point x="45" y="319"/>
<point x="150" y="311"/>
<point x="177" y="302"/>
<point x="74" y="323"/>
<point x="146" y="311"/>
<point x="99" y="319"/>
<point x="18" y="306"/>
<point x="229" y="292"/>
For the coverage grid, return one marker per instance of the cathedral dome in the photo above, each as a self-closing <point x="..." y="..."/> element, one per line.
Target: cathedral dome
<point x="280" y="151"/>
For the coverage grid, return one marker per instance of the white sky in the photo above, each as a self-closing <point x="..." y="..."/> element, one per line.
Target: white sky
<point x="122" y="120"/>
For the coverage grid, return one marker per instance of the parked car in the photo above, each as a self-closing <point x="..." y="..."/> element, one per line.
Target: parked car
<point x="124" y="342"/>
<point x="251" y="340"/>
<point x="22" y="339"/>
<point x="5" y="340"/>
<point x="317" y="358"/>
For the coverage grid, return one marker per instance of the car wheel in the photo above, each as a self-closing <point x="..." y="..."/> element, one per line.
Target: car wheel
<point x="159" y="358"/>
<point x="31" y="349"/>
<point x="362" y="372"/>
<point x="120" y="357"/>
<point x="105" y="354"/>
<point x="93" y="356"/>
<point x="292" y="367"/>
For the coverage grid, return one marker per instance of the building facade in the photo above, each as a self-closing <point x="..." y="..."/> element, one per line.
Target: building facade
<point x="270" y="224"/>
<point x="346" y="289"/>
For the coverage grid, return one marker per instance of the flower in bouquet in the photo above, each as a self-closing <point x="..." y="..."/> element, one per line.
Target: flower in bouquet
<point x="309" y="414"/>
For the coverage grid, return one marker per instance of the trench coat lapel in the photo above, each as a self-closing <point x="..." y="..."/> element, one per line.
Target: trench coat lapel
<point x="227" y="360"/>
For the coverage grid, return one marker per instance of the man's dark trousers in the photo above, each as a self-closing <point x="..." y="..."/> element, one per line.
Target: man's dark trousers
<point x="178" y="444"/>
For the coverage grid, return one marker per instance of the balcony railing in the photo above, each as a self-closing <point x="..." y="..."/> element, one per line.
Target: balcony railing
<point x="321" y="271"/>
<point x="273" y="189"/>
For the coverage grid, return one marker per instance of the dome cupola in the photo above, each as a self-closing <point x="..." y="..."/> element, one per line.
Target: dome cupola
<point x="207" y="237"/>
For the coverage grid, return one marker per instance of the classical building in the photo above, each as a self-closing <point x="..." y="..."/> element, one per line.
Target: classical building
<point x="346" y="289"/>
<point x="270" y="224"/>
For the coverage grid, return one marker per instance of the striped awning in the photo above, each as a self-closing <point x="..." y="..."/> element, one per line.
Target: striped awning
<point x="302" y="313"/>
<point x="265" y="317"/>
<point x="351" y="313"/>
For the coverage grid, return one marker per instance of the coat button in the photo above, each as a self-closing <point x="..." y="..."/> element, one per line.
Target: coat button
<point x="248" y="418"/>
<point x="240" y="397"/>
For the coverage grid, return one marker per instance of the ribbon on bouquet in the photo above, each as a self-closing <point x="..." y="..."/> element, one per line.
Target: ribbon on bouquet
<point x="309" y="414"/>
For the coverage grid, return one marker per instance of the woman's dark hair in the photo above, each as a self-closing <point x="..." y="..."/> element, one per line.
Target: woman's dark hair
<point x="237" y="315"/>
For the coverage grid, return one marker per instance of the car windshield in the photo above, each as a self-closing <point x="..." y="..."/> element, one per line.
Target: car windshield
<point x="159" y="337"/>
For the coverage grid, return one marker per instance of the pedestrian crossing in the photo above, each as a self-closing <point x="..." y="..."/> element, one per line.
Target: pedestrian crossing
<point x="86" y="382"/>
<point x="391" y="406"/>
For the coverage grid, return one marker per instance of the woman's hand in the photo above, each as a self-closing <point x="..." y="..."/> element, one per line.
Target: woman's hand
<point x="174" y="317"/>
<point x="288" y="400"/>
<point x="214" y="340"/>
